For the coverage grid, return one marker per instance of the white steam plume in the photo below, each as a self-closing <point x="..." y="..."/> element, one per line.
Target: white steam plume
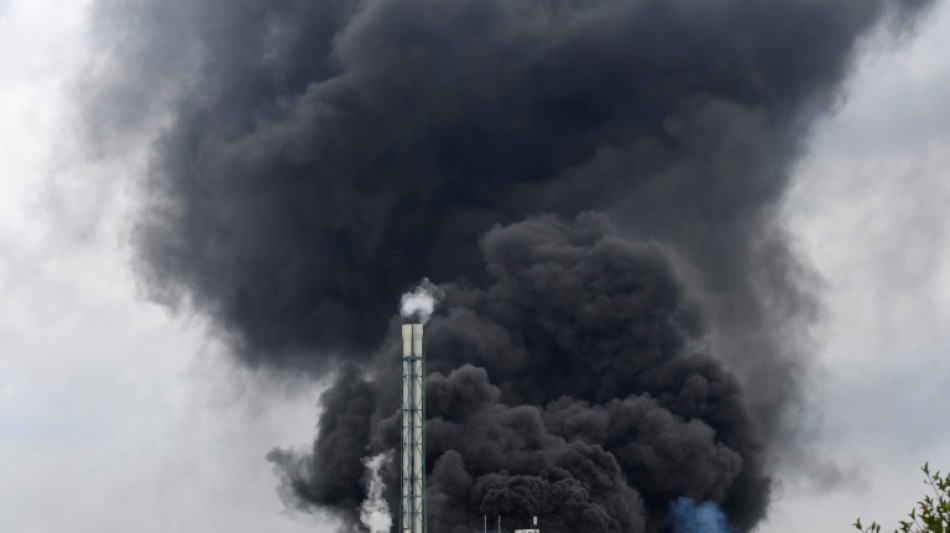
<point x="419" y="303"/>
<point x="374" y="512"/>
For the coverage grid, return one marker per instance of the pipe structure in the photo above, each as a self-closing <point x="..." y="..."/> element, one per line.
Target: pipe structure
<point x="412" y="517"/>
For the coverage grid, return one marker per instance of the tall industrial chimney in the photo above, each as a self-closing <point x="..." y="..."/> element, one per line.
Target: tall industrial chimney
<point x="412" y="516"/>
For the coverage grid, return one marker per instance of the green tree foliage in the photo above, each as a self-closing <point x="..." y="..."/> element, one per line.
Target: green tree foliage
<point x="931" y="515"/>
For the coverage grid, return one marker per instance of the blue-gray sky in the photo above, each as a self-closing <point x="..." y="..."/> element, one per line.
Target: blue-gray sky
<point x="116" y="415"/>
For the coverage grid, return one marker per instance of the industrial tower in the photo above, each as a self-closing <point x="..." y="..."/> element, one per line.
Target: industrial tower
<point x="412" y="515"/>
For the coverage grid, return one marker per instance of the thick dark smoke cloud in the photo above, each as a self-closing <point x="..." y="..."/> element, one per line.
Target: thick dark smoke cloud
<point x="317" y="157"/>
<point x="575" y="387"/>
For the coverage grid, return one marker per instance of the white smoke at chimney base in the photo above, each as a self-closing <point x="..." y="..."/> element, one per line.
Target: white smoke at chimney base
<point x="374" y="512"/>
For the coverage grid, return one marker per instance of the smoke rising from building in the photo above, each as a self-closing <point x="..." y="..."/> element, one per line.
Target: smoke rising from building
<point x="575" y="387"/>
<point x="591" y="182"/>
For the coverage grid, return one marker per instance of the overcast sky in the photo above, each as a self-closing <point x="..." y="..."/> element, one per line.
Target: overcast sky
<point x="116" y="415"/>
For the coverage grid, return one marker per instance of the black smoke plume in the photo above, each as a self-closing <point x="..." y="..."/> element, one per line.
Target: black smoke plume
<point x="593" y="182"/>
<point x="574" y="387"/>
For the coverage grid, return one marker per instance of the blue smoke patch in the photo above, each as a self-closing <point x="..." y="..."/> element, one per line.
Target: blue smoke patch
<point x="686" y="516"/>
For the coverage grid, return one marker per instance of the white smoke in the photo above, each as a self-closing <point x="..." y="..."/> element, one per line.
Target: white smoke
<point x="419" y="303"/>
<point x="374" y="513"/>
